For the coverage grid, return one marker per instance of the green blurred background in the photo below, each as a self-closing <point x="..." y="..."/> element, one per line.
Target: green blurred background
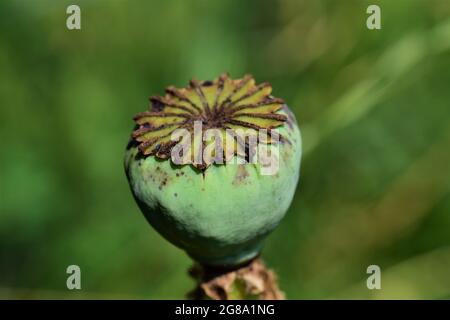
<point x="374" y="109"/>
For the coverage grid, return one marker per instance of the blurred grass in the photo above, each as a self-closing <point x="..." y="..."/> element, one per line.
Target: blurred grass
<point x="373" y="107"/>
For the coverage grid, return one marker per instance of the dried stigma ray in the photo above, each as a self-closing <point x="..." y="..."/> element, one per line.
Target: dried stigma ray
<point x="236" y="109"/>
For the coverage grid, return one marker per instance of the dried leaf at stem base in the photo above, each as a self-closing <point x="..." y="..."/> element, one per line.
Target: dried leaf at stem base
<point x="252" y="281"/>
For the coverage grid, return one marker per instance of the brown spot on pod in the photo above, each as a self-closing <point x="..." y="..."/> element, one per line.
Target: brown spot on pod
<point x="241" y="175"/>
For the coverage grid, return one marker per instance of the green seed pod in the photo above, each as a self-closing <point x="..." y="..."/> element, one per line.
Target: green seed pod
<point x="219" y="213"/>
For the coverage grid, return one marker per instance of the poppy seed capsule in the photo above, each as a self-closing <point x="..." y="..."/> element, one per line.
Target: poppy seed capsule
<point x="219" y="213"/>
